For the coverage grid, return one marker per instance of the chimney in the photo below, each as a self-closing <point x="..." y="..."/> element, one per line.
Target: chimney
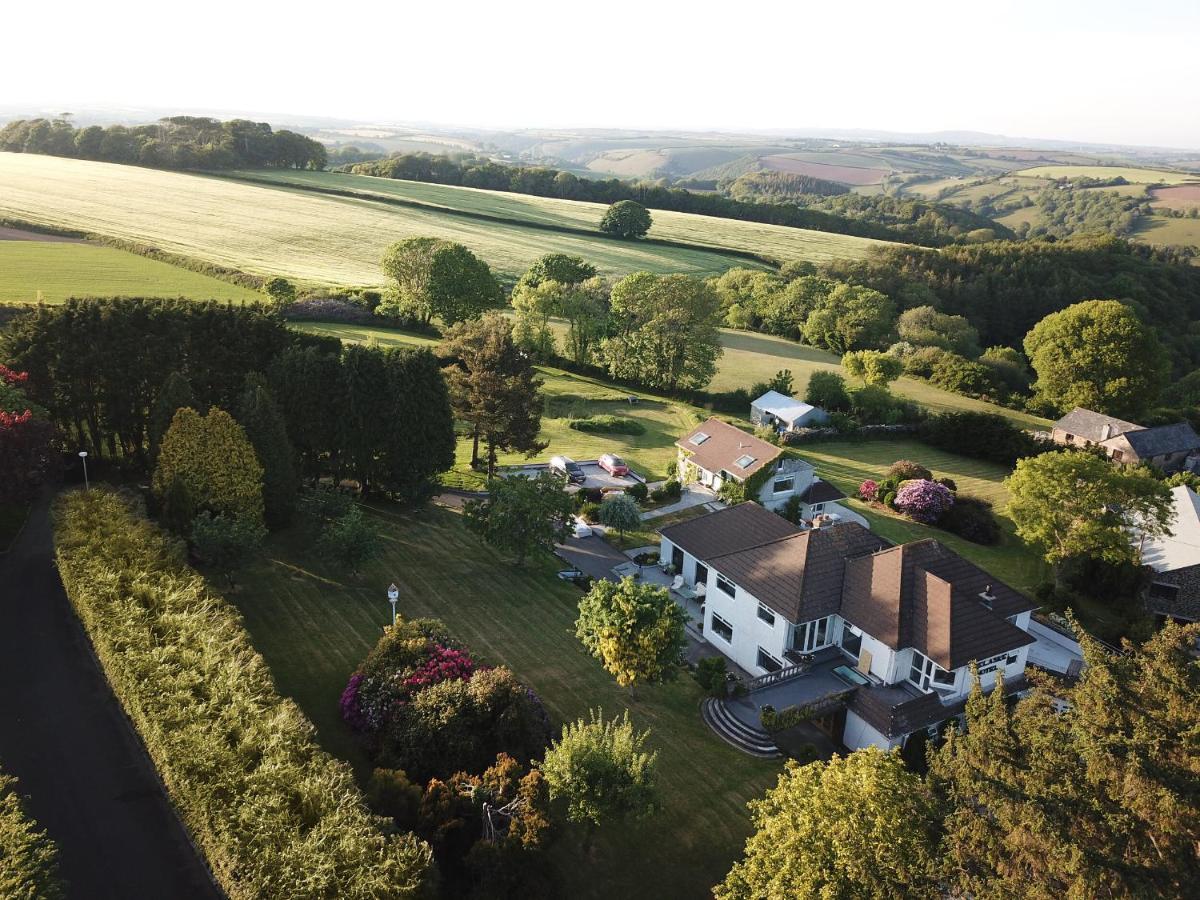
<point x="1106" y="431"/>
<point x="987" y="596"/>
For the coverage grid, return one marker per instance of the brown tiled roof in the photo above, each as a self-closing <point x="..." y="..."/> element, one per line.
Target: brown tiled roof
<point x="895" y="710"/>
<point x="1091" y="425"/>
<point x="729" y="530"/>
<point x="724" y="446"/>
<point x="800" y="575"/>
<point x="925" y="595"/>
<point x="822" y="492"/>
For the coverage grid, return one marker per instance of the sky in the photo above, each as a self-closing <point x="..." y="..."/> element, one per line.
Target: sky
<point x="1105" y="71"/>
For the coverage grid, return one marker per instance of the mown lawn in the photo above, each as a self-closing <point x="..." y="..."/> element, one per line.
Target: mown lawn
<point x="32" y="271"/>
<point x="848" y="463"/>
<point x="314" y="627"/>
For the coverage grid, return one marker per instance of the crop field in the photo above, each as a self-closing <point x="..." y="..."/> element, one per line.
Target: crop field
<point x="304" y="236"/>
<point x="52" y="271"/>
<point x="314" y="626"/>
<point x="1185" y="196"/>
<point x="1129" y="173"/>
<point x="775" y="241"/>
<point x="845" y="174"/>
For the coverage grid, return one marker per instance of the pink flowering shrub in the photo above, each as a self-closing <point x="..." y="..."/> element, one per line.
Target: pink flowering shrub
<point x="867" y="490"/>
<point x="923" y="500"/>
<point x="444" y="664"/>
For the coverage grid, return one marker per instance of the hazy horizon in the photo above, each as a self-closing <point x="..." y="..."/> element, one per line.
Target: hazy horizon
<point x="1072" y="72"/>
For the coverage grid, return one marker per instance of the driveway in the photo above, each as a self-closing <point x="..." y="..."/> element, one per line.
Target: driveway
<point x="84" y="772"/>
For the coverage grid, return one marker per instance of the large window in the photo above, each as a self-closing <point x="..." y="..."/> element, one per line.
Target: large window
<point x="722" y="629"/>
<point x="851" y="639"/>
<point x="767" y="661"/>
<point x="927" y="674"/>
<point x="766" y="615"/>
<point x="813" y="635"/>
<point x="726" y="585"/>
<point x="783" y="485"/>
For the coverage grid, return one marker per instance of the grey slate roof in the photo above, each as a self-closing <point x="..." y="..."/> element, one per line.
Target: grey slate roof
<point x="799" y="576"/>
<point x="895" y="710"/>
<point x="822" y="492"/>
<point x="1090" y="425"/>
<point x="1163" y="439"/>
<point x="729" y="530"/>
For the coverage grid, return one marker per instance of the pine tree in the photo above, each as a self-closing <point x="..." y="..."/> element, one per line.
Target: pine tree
<point x="174" y="395"/>
<point x="265" y="428"/>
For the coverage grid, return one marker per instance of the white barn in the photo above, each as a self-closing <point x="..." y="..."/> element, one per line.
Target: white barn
<point x="783" y="413"/>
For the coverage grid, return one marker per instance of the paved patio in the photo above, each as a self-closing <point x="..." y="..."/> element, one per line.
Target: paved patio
<point x="693" y="495"/>
<point x="819" y="681"/>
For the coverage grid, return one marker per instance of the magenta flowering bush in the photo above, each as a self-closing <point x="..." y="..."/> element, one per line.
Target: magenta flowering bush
<point x="867" y="489"/>
<point x="923" y="500"/>
<point x="443" y="664"/>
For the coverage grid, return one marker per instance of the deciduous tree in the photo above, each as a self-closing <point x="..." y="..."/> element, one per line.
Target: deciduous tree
<point x="1098" y="355"/>
<point x="627" y="219"/>
<point x="603" y="771"/>
<point x="226" y="543"/>
<point x="438" y="278"/>
<point x="872" y="366"/>
<point x="522" y="515"/>
<point x="856" y="826"/>
<point x="1069" y="503"/>
<point x="665" y="331"/>
<point x="827" y="391"/>
<point x="635" y="629"/>
<point x="850" y="317"/>
<point x="620" y="511"/>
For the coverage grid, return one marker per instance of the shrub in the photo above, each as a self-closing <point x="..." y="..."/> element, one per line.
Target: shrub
<point x="980" y="436"/>
<point x="638" y="491"/>
<point x="274" y="814"/>
<point x="672" y="468"/>
<point x="923" y="500"/>
<point x="791" y="509"/>
<point x="948" y="483"/>
<point x="590" y="512"/>
<point x="888" y="498"/>
<point x="670" y="490"/>
<point x="349" y="541"/>
<point x="971" y="518"/>
<point x="867" y="489"/>
<point x="711" y="673"/>
<point x="906" y="469"/>
<point x="608" y="425"/>
<point x="226" y="543"/>
<point x="461" y="726"/>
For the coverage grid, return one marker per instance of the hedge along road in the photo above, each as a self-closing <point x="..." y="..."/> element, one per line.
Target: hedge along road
<point x="84" y="773"/>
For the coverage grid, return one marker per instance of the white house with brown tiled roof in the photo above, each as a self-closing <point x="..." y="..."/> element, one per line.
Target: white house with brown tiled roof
<point x="906" y="621"/>
<point x="716" y="452"/>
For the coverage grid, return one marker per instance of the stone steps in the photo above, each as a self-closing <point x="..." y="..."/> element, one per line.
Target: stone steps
<point x="730" y="729"/>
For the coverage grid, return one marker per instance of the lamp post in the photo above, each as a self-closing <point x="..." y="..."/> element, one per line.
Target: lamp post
<point x="83" y="456"/>
<point x="393" y="596"/>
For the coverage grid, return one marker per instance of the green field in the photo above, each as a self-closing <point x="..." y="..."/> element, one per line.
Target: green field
<point x="774" y="241"/>
<point x="1129" y="173"/>
<point x="1169" y="231"/>
<point x="52" y="272"/>
<point x="314" y="627"/>
<point x="322" y="239"/>
<point x="848" y="463"/>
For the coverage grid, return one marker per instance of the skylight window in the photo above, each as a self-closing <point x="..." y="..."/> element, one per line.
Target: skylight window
<point x="744" y="462"/>
<point x="699" y="438"/>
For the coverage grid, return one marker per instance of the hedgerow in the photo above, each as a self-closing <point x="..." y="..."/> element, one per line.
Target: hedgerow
<point x="28" y="859"/>
<point x="274" y="814"/>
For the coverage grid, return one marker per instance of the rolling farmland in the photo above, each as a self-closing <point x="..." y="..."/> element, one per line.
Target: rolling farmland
<point x="1129" y="173"/>
<point x="53" y="271"/>
<point x="322" y="239"/>
<point x="775" y="241"/>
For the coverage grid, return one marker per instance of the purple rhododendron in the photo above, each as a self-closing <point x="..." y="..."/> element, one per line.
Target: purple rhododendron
<point x="351" y="709"/>
<point x="924" y="501"/>
<point x="867" y="489"/>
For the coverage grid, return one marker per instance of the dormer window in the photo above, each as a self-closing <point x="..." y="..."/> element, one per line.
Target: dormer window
<point x="744" y="462"/>
<point x="699" y="438"/>
<point x="927" y="675"/>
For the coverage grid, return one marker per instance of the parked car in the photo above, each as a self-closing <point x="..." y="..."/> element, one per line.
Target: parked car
<point x="568" y="469"/>
<point x="613" y="464"/>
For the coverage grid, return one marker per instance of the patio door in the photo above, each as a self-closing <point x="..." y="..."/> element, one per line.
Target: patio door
<point x="677" y="559"/>
<point x="701" y="573"/>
